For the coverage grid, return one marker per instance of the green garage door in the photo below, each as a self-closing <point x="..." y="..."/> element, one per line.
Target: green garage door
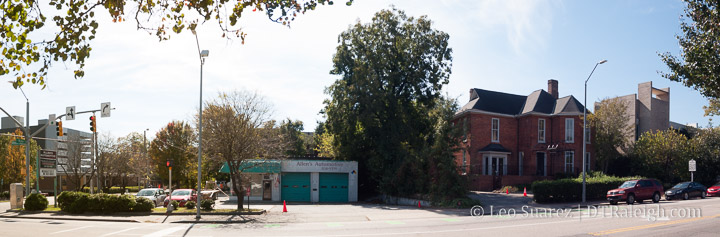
<point x="295" y="187"/>
<point x="333" y="187"/>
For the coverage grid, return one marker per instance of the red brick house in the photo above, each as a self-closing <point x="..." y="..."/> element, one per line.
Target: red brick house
<point x="515" y="139"/>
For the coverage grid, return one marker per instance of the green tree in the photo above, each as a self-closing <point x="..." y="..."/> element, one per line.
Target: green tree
<point x="698" y="65"/>
<point x="664" y="155"/>
<point x="12" y="159"/>
<point x="27" y="55"/>
<point x="706" y="155"/>
<point x="177" y="142"/>
<point x="392" y="71"/>
<point x="611" y="129"/>
<point x="293" y="132"/>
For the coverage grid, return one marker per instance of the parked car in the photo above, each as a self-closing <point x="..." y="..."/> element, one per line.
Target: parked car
<point x="154" y="194"/>
<point x="686" y="190"/>
<point x="182" y="196"/>
<point x="714" y="191"/>
<point x="636" y="190"/>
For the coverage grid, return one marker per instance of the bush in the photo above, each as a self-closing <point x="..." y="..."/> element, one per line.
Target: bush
<point x="73" y="202"/>
<point x="464" y="203"/>
<point x="96" y="202"/>
<point x="119" y="203"/>
<point x="190" y="205"/>
<point x="175" y="204"/>
<point x="570" y="190"/>
<point x="143" y="204"/>
<point x="36" y="202"/>
<point x="207" y="204"/>
<point x="5" y="195"/>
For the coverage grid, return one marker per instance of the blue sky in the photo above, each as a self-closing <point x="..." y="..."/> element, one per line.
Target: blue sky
<point x="508" y="46"/>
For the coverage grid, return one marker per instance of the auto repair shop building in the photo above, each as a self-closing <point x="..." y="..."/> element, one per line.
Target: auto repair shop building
<point x="304" y="181"/>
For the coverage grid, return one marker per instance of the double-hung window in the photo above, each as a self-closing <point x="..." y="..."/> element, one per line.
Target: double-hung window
<point x="541" y="130"/>
<point x="569" y="161"/>
<point x="569" y="130"/>
<point x="495" y="130"/>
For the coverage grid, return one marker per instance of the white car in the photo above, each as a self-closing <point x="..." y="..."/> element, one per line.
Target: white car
<point x="157" y="195"/>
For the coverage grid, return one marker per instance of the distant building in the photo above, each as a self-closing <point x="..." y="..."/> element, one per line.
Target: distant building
<point x="515" y="139"/>
<point x="649" y="109"/>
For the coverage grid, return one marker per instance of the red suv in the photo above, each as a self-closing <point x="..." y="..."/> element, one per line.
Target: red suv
<point x="636" y="190"/>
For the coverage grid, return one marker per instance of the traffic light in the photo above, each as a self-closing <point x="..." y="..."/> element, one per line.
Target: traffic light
<point x="93" y="124"/>
<point x="59" y="129"/>
<point x="169" y="163"/>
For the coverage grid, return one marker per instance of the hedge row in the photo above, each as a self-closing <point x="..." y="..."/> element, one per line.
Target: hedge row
<point x="111" y="190"/>
<point x="570" y="190"/>
<point x="80" y="202"/>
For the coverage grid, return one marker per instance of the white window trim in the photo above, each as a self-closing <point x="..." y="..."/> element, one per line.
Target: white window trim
<point x="569" y="130"/>
<point x="541" y="139"/>
<point x="572" y="161"/>
<point x="492" y="130"/>
<point x="487" y="160"/>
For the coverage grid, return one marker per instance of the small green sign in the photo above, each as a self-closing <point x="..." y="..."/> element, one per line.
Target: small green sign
<point x="18" y="142"/>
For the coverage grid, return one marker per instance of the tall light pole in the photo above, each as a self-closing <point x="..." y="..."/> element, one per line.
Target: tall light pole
<point x="27" y="142"/>
<point x="202" y="54"/>
<point x="147" y="159"/>
<point x="584" y="157"/>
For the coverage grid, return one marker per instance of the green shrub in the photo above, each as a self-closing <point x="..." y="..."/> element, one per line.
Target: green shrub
<point x="73" y="202"/>
<point x="96" y="202"/>
<point x="119" y="203"/>
<point x="207" y="204"/>
<point x="143" y="204"/>
<point x="5" y="195"/>
<point x="570" y="189"/>
<point x="175" y="204"/>
<point x="190" y="204"/>
<point x="36" y="202"/>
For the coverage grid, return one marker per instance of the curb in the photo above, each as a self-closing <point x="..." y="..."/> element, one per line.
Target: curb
<point x="210" y="222"/>
<point x="69" y="219"/>
<point x="212" y="213"/>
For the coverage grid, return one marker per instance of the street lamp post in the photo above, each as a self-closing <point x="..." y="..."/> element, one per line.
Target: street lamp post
<point x="202" y="54"/>
<point x="27" y="142"/>
<point x="585" y="131"/>
<point x="147" y="160"/>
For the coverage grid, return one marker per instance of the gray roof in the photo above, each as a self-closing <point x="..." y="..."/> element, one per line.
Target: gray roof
<point x="538" y="101"/>
<point x="494" y="147"/>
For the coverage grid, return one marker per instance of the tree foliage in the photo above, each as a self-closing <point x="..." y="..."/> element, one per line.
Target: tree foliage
<point x="612" y="131"/>
<point x="391" y="75"/>
<point x="12" y="158"/>
<point x="663" y="155"/>
<point x="293" y="132"/>
<point x="177" y="142"/>
<point x="237" y="127"/>
<point x="698" y="65"/>
<point x="28" y="51"/>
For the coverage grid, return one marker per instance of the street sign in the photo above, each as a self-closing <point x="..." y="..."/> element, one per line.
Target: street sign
<point x="70" y="113"/>
<point x="51" y="119"/>
<point x="692" y="166"/>
<point x="18" y="142"/>
<point x="105" y="109"/>
<point x="248" y="192"/>
<point x="47" y="172"/>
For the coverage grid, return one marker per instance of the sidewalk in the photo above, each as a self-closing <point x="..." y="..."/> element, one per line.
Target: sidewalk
<point x="517" y="201"/>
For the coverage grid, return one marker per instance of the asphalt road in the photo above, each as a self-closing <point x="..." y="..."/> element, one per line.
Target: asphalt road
<point x="677" y="218"/>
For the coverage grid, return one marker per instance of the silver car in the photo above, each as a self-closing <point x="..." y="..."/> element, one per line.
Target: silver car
<point x="157" y="195"/>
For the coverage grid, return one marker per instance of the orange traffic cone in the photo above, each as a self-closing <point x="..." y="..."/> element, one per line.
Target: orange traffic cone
<point x="525" y="192"/>
<point x="507" y="191"/>
<point x="419" y="206"/>
<point x="284" y="206"/>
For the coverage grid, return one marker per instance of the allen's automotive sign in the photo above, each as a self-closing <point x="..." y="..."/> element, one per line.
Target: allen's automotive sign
<point x="319" y="166"/>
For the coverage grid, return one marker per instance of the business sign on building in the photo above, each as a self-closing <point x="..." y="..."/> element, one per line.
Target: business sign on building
<point x="319" y="166"/>
<point x="48" y="163"/>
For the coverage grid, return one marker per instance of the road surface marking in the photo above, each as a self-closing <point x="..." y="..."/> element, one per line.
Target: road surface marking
<point x="395" y="222"/>
<point x="272" y="225"/>
<point x="117" y="232"/>
<point x="63" y="231"/>
<point x="166" y="231"/>
<point x="641" y="227"/>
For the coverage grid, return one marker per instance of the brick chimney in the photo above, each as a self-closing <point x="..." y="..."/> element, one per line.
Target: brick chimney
<point x="553" y="88"/>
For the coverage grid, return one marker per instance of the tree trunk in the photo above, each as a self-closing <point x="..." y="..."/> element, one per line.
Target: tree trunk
<point x="236" y="181"/>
